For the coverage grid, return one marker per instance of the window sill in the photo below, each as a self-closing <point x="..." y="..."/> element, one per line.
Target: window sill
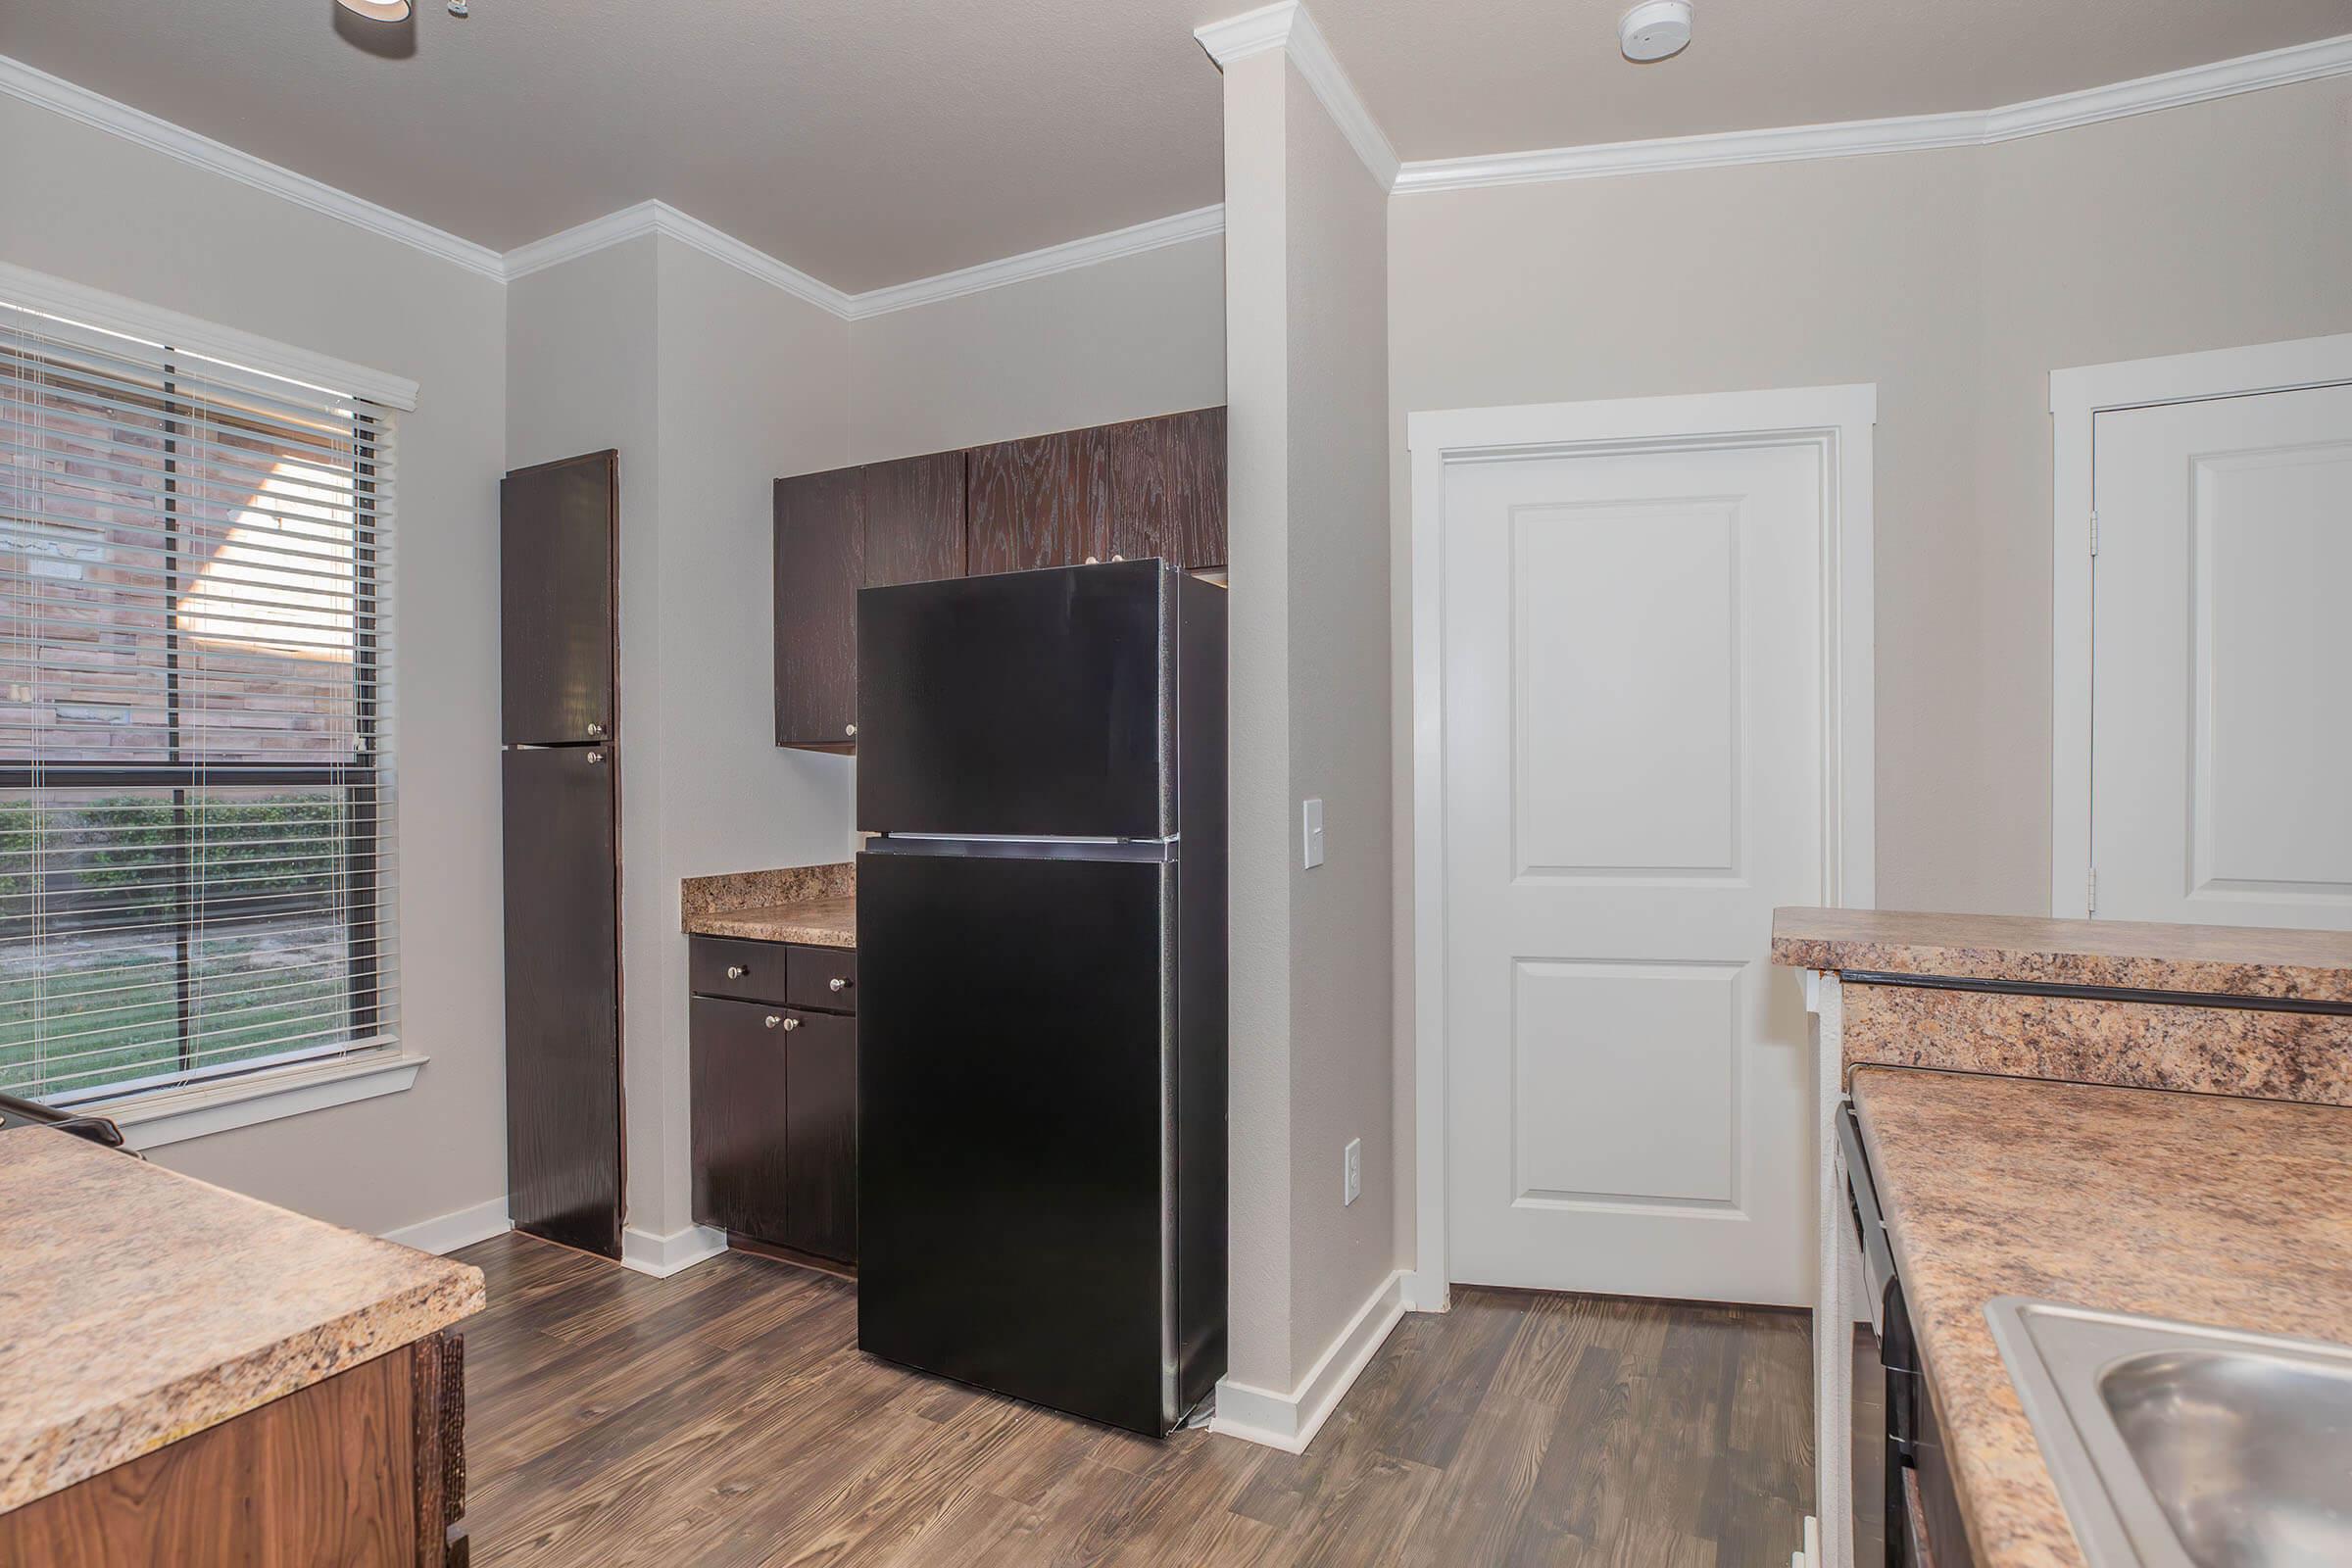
<point x="150" y="1121"/>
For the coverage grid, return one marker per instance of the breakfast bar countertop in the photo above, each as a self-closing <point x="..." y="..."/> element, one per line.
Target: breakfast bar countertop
<point x="140" y="1306"/>
<point x="2224" y="961"/>
<point x="2200" y="1209"/>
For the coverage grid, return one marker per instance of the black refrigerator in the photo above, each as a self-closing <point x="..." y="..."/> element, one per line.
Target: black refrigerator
<point x="1041" y="943"/>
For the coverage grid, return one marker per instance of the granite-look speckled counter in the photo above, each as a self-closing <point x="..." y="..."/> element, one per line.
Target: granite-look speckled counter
<point x="2197" y="1207"/>
<point x="140" y="1306"/>
<point x="2229" y="960"/>
<point x="815" y="905"/>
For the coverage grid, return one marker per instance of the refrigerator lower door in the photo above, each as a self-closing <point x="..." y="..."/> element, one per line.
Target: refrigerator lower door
<point x="1016" y="1125"/>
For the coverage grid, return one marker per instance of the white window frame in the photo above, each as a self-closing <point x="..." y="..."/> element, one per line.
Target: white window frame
<point x="2078" y="397"/>
<point x="151" y="1120"/>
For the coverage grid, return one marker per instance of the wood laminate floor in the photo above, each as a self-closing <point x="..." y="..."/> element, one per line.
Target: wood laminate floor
<point x="724" y="1416"/>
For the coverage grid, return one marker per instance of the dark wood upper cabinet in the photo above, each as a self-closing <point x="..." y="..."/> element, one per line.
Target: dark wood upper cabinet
<point x="819" y="559"/>
<point x="1148" y="487"/>
<point x="913" y="518"/>
<point x="1040" y="502"/>
<point x="1167" y="489"/>
<point x="556" y="574"/>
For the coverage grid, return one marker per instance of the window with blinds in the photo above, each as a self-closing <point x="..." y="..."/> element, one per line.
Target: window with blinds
<point x="195" y="818"/>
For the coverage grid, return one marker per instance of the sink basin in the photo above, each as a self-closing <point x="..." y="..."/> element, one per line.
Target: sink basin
<point x="2175" y="1446"/>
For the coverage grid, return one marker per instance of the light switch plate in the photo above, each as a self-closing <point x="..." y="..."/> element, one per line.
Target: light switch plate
<point x="1311" y="833"/>
<point x="1353" y="1179"/>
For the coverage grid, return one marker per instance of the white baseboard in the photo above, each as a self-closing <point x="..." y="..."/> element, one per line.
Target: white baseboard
<point x="1290" y="1421"/>
<point x="446" y="1233"/>
<point x="664" y="1256"/>
<point x="1424" y="1292"/>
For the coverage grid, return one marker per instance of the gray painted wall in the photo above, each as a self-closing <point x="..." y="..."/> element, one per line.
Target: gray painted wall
<point x="84" y="205"/>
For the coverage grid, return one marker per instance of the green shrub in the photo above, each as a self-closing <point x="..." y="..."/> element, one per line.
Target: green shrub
<point x="281" y="846"/>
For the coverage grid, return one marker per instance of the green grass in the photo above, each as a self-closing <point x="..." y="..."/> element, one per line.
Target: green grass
<point x="121" y="1004"/>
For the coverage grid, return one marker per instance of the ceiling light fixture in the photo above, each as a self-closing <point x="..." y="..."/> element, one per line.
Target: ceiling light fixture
<point x="1655" y="29"/>
<point x="377" y="9"/>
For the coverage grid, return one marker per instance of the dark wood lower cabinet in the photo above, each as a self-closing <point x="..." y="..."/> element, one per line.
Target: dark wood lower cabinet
<point x="774" y="1095"/>
<point x="366" y="1467"/>
<point x="820" y="1139"/>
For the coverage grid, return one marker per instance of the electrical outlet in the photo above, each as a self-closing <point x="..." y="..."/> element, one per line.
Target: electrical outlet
<point x="1354" y="1176"/>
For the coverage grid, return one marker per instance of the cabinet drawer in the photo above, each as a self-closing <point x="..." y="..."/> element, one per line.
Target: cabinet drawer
<point x="825" y="978"/>
<point x="727" y="966"/>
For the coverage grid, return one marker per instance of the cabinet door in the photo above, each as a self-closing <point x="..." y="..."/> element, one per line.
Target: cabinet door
<point x="1167" y="489"/>
<point x="557" y="528"/>
<point x="739" y="1103"/>
<point x="818" y="570"/>
<point x="1040" y="502"/>
<point x="913" y="518"/>
<point x="563" y="1167"/>
<point x="820" y="1156"/>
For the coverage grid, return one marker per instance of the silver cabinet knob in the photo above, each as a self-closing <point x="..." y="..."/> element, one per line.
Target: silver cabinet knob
<point x="596" y="732"/>
<point x="849" y="729"/>
<point x="776" y="1021"/>
<point x="736" y="971"/>
<point x="837" y="983"/>
<point x="593" y="758"/>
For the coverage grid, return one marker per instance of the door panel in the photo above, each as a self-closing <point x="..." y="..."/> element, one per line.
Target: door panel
<point x="1040" y="502"/>
<point x="2222" y="740"/>
<point x="563" y="995"/>
<point x="1168" y="488"/>
<point x="819" y="565"/>
<point x="1012" y="1066"/>
<point x="1633" y="671"/>
<point x="913" y="518"/>
<point x="556" y="530"/>
<point x="820" y="1158"/>
<point x="739" y="1090"/>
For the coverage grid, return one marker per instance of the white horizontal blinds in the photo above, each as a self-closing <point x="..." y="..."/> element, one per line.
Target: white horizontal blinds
<point x="196" y="844"/>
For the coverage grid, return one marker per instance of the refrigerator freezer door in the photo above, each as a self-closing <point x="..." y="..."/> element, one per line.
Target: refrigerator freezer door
<point x="1032" y="704"/>
<point x="1014" y="1090"/>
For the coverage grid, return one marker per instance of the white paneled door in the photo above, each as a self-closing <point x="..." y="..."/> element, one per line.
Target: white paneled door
<point x="1634" y="669"/>
<point x="2222" y="660"/>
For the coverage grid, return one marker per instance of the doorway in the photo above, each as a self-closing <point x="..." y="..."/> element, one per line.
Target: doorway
<point x="1642" y="646"/>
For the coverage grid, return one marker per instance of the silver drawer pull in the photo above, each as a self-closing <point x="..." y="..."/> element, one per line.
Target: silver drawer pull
<point x="849" y="729"/>
<point x="778" y="1021"/>
<point x="596" y="732"/>
<point x="593" y="758"/>
<point x="736" y="971"/>
<point x="837" y="983"/>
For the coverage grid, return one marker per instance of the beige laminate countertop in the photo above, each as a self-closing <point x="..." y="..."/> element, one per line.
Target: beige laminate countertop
<point x="2230" y="960"/>
<point x="812" y="922"/>
<point x="2199" y="1208"/>
<point x="140" y="1306"/>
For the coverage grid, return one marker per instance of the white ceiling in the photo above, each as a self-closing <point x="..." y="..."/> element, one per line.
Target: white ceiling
<point x="868" y="144"/>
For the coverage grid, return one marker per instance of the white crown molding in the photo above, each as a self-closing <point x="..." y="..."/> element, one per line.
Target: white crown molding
<point x="148" y="324"/>
<point x="1177" y="227"/>
<point x="1287" y="25"/>
<point x="1854" y="138"/>
<point x="659" y="218"/>
<point x="35" y="86"/>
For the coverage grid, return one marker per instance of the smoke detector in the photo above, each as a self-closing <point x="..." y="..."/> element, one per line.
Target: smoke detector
<point x="1654" y="29"/>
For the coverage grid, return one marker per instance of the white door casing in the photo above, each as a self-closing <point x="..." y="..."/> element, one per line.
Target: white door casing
<point x="1641" y="720"/>
<point x="2199" y="743"/>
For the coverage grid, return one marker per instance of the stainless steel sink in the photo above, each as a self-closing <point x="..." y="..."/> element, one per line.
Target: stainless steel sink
<point x="2180" y="1447"/>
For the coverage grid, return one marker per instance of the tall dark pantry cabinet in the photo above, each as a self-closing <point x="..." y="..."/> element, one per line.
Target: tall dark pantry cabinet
<point x="561" y="765"/>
